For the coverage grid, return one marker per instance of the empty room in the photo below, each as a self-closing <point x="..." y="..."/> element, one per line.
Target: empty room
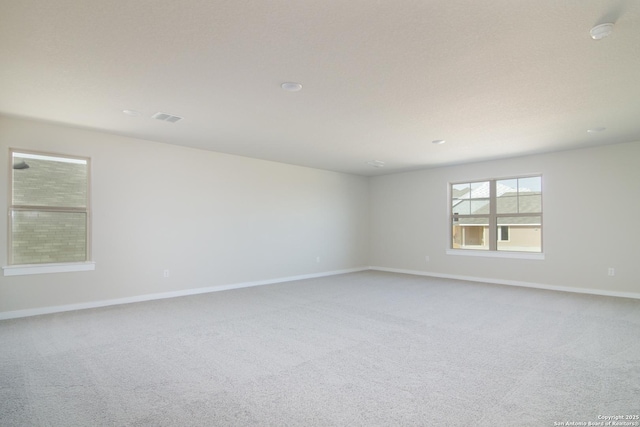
<point x="305" y="213"/>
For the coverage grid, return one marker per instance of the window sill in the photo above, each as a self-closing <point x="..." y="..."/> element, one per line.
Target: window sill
<point x="496" y="254"/>
<point x="22" y="270"/>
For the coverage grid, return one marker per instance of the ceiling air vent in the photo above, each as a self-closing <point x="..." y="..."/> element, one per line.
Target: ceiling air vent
<point x="166" y="117"/>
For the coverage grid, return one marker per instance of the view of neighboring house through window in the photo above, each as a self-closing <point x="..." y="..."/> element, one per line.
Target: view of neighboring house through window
<point x="497" y="215"/>
<point x="49" y="209"/>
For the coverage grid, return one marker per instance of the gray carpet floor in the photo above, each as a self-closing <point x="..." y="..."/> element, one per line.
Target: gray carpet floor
<point x="361" y="349"/>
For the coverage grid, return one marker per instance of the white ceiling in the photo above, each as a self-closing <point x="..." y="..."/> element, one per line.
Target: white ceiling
<point x="382" y="79"/>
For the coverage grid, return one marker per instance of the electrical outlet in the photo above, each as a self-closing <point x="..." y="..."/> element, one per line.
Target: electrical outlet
<point x="317" y="259"/>
<point x="165" y="273"/>
<point x="612" y="271"/>
<point x="426" y="258"/>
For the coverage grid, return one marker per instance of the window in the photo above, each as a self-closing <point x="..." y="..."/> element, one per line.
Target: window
<point x="497" y="215"/>
<point x="503" y="233"/>
<point x="49" y="213"/>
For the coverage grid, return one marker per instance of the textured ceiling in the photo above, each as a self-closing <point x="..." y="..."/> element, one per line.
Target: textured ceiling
<point x="382" y="79"/>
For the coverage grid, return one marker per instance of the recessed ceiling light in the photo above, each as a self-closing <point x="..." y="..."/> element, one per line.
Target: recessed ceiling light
<point x="596" y="130"/>
<point x="438" y="141"/>
<point x="601" y="31"/>
<point x="376" y="163"/>
<point x="291" y="86"/>
<point x="133" y="113"/>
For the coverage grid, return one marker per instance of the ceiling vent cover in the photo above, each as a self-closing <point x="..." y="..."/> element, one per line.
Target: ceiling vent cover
<point x="167" y="117"/>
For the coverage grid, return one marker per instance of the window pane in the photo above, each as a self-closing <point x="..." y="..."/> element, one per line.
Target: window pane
<point x="471" y="233"/>
<point x="49" y="181"/>
<point x="530" y="203"/>
<point x="507" y="196"/>
<point x="530" y="184"/>
<point x="470" y="237"/>
<point x="45" y="237"/>
<point x="505" y="186"/>
<point x="480" y="190"/>
<point x="521" y="195"/>
<point x="525" y="234"/>
<point x="507" y="204"/>
<point x="460" y="191"/>
<point x="462" y="207"/>
<point x="479" y="207"/>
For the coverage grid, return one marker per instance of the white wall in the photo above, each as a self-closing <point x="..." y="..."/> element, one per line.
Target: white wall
<point x="591" y="204"/>
<point x="211" y="219"/>
<point x="215" y="219"/>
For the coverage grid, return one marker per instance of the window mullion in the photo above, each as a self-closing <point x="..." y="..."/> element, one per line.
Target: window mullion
<point x="48" y="208"/>
<point x="493" y="222"/>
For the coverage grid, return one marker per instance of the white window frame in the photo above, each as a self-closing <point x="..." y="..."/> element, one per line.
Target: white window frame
<point x="493" y="252"/>
<point x="57" y="267"/>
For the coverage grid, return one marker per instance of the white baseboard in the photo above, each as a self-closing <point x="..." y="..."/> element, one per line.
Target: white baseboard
<point x="602" y="292"/>
<point x="150" y="297"/>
